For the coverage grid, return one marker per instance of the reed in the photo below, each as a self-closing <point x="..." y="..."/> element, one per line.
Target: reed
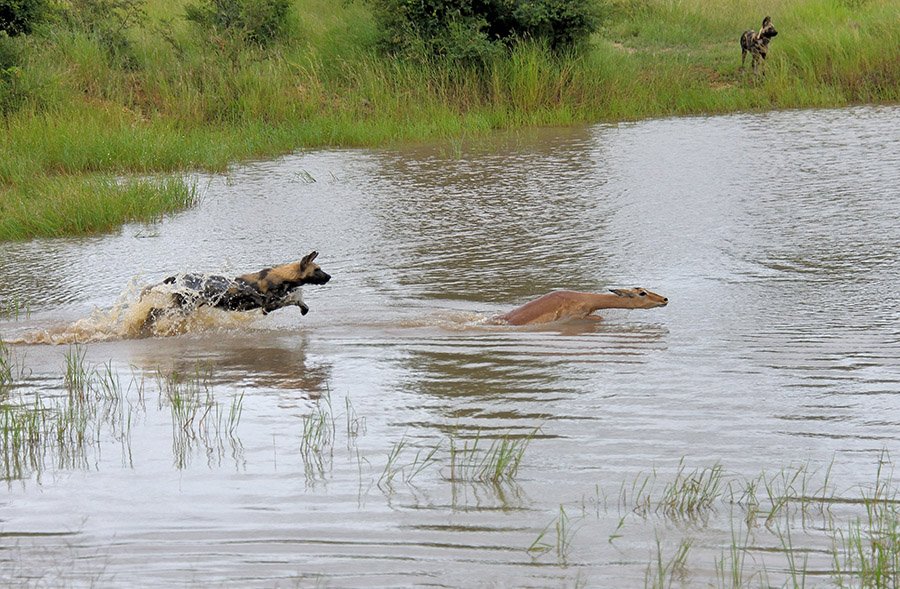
<point x="7" y="368"/>
<point x="63" y="431"/>
<point x="199" y="420"/>
<point x="498" y="463"/>
<point x="664" y="573"/>
<point x="317" y="439"/>
<point x="730" y="568"/>
<point x="563" y="537"/>
<point x="867" y="549"/>
<point x="355" y="425"/>
<point x="692" y="494"/>
<point x="391" y="468"/>
<point x="14" y="308"/>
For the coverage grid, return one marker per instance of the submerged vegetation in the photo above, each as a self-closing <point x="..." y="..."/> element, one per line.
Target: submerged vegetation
<point x="792" y="527"/>
<point x="95" y="90"/>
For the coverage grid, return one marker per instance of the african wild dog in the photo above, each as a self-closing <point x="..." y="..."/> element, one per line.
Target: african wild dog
<point x="757" y="43"/>
<point x="269" y="289"/>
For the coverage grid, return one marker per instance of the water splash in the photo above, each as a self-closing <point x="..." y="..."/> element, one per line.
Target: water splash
<point x="141" y="312"/>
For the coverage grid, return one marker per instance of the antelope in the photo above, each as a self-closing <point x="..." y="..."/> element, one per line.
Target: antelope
<point x="561" y="305"/>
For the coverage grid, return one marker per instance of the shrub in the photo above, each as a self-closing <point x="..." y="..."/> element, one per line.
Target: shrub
<point x="107" y="22"/>
<point x="257" y="22"/>
<point x="18" y="17"/>
<point x="475" y="30"/>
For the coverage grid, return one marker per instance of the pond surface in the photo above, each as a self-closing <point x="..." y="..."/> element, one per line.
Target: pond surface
<point x="336" y="449"/>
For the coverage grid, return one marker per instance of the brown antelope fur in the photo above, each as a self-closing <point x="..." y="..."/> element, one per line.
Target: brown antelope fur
<point x="562" y="305"/>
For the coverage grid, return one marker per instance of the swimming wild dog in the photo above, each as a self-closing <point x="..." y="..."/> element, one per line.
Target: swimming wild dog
<point x="269" y="289"/>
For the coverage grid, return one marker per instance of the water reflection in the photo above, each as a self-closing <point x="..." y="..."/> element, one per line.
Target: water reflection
<point x="507" y="224"/>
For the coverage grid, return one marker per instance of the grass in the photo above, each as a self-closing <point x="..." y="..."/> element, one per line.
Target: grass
<point x="199" y="420"/>
<point x="470" y="461"/>
<point x="662" y="572"/>
<point x="59" y="206"/>
<point x="63" y="431"/>
<point x="563" y="536"/>
<point x="175" y="103"/>
<point x="317" y="438"/>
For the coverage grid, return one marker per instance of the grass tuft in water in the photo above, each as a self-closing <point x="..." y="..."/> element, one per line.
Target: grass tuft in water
<point x="37" y="431"/>
<point x="693" y="493"/>
<point x="564" y="534"/>
<point x="498" y="463"/>
<point x="199" y="420"/>
<point x="14" y="308"/>
<point x="317" y="438"/>
<point x="867" y="549"/>
<point x="664" y="573"/>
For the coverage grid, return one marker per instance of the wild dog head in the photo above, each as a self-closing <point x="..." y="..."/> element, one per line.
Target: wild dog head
<point x="287" y="276"/>
<point x="766" y="32"/>
<point x="641" y="298"/>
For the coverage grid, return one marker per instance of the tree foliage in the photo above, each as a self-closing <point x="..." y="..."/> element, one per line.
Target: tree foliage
<point x="257" y="22"/>
<point x="474" y="30"/>
<point x="18" y="17"/>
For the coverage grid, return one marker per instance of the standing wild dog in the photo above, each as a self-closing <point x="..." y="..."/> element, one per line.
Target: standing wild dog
<point x="757" y="43"/>
<point x="269" y="289"/>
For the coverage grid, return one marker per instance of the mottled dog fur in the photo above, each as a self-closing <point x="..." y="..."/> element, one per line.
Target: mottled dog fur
<point x="269" y="289"/>
<point x="757" y="43"/>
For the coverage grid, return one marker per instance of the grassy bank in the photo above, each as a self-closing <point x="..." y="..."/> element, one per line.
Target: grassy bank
<point x="171" y="100"/>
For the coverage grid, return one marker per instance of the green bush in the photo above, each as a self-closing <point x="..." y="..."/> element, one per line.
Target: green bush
<point x="107" y="22"/>
<point x="256" y="22"/>
<point x="18" y="17"/>
<point x="473" y="31"/>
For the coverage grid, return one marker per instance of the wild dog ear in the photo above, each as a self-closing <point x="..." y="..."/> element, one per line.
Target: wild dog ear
<point x="622" y="293"/>
<point x="307" y="260"/>
<point x="767" y="21"/>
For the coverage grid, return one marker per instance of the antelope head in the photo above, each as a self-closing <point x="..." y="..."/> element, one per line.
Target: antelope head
<point x="640" y="298"/>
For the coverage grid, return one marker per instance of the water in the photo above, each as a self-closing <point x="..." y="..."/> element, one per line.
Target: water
<point x="774" y="236"/>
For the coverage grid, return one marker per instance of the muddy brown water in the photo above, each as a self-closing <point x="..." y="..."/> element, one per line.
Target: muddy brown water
<point x="775" y="236"/>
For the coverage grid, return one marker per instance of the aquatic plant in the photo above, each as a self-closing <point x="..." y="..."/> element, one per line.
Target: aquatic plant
<point x="317" y="438"/>
<point x="867" y="549"/>
<point x="7" y="366"/>
<point x="14" y="308"/>
<point x="663" y="573"/>
<point x="356" y="425"/>
<point x="199" y="420"/>
<point x="64" y="431"/>
<point x="564" y="534"/>
<point x="391" y="469"/>
<point x="730" y="568"/>
<point x="500" y="462"/>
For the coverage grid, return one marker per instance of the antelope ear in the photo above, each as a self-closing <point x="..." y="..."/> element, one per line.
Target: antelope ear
<point x="621" y="293"/>
<point x="309" y="258"/>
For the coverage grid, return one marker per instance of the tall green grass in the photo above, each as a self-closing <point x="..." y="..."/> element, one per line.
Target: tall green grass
<point x="65" y="205"/>
<point x="181" y="103"/>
